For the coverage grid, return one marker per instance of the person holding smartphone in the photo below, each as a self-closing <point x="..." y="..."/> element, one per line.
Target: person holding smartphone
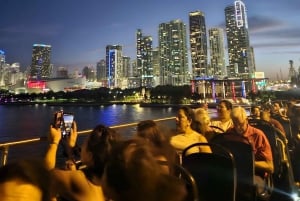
<point x="81" y="184"/>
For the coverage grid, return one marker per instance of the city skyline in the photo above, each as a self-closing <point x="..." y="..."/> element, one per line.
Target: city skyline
<point x="79" y="33"/>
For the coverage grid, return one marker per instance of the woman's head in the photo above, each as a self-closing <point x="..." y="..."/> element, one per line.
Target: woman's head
<point x="97" y="147"/>
<point x="28" y="179"/>
<point x="150" y="130"/>
<point x="133" y="172"/>
<point x="201" y="120"/>
<point x="184" y="118"/>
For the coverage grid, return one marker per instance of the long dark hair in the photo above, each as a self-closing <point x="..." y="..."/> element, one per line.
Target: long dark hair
<point x="189" y="113"/>
<point x="133" y="174"/>
<point x="100" y="143"/>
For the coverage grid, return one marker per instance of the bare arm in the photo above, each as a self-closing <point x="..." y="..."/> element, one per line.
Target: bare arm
<point x="54" y="139"/>
<point x="265" y="166"/>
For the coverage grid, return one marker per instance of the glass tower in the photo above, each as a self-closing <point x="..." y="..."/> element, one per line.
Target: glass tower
<point x="217" y="49"/>
<point x="114" y="64"/>
<point x="198" y="43"/>
<point x="40" y="62"/>
<point x="173" y="53"/>
<point x="144" y="58"/>
<point x="239" y="51"/>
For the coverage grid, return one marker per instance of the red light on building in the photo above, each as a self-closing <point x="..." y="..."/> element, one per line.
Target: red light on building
<point x="36" y="84"/>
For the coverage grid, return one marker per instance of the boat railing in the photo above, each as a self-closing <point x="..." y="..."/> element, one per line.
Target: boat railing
<point x="5" y="147"/>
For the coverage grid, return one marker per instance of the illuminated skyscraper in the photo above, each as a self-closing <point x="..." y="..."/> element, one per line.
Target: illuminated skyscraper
<point x="217" y="49"/>
<point x="40" y="62"/>
<point x="101" y="70"/>
<point x="126" y="70"/>
<point x="2" y="59"/>
<point x="239" y="51"/>
<point x="114" y="64"/>
<point x="144" y="59"/>
<point x="198" y="43"/>
<point x="173" y="53"/>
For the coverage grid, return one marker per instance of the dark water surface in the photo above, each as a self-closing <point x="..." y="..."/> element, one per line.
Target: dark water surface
<point x="22" y="122"/>
<point x="31" y="121"/>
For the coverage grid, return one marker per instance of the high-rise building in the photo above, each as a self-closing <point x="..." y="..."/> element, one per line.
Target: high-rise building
<point x="89" y="73"/>
<point x="156" y="66"/>
<point x="173" y="53"/>
<point x="114" y="64"/>
<point x="101" y="70"/>
<point x="217" y="49"/>
<point x="144" y="59"/>
<point x="62" y="72"/>
<point x="198" y="44"/>
<point x="127" y="70"/>
<point x="40" y="62"/>
<point x="239" y="52"/>
<point x="2" y="59"/>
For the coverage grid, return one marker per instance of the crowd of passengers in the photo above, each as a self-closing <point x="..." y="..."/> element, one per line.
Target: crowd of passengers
<point x="140" y="168"/>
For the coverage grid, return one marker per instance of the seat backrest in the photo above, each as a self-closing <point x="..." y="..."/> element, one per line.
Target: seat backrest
<point x="190" y="183"/>
<point x="243" y="155"/>
<point x="215" y="173"/>
<point x="271" y="134"/>
<point x="283" y="179"/>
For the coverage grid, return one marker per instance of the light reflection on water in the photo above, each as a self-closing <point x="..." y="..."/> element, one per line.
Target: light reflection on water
<point x="20" y="122"/>
<point x="30" y="121"/>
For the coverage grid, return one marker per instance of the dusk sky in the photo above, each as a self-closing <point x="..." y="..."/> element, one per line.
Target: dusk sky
<point x="79" y="31"/>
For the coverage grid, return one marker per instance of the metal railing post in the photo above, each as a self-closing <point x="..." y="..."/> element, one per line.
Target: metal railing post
<point x="4" y="155"/>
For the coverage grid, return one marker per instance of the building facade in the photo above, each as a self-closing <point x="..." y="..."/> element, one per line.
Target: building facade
<point x="217" y="52"/>
<point x="173" y="53"/>
<point x="101" y="70"/>
<point x="144" y="59"/>
<point x="114" y="64"/>
<point x="40" y="62"/>
<point x="198" y="44"/>
<point x="239" y="51"/>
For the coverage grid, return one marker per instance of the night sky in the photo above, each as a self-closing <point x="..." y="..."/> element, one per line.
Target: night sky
<point x="79" y="31"/>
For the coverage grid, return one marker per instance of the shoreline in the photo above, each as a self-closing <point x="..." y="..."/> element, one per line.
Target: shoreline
<point x="141" y="104"/>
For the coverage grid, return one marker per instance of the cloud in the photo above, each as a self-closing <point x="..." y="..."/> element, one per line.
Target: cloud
<point x="261" y="23"/>
<point x="266" y="32"/>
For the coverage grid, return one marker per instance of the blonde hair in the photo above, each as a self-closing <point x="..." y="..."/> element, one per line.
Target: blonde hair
<point x="238" y="113"/>
<point x="203" y="120"/>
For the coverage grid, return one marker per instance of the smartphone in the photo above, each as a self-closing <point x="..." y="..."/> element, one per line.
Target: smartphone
<point x="58" y="119"/>
<point x="68" y="119"/>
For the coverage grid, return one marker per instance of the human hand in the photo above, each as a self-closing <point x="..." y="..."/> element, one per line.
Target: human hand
<point x="70" y="165"/>
<point x="73" y="136"/>
<point x="54" y="135"/>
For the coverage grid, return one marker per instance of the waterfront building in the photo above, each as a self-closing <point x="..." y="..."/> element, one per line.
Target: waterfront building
<point x="232" y="88"/>
<point x="89" y="73"/>
<point x="144" y="58"/>
<point x="156" y="67"/>
<point x="2" y="59"/>
<point x="217" y="52"/>
<point x="114" y="63"/>
<point x="239" y="51"/>
<point x="62" y="72"/>
<point x="173" y="53"/>
<point x="41" y="67"/>
<point x="198" y="44"/>
<point x="10" y="75"/>
<point x="134" y="72"/>
<point x="126" y="70"/>
<point x="133" y="80"/>
<point x="101" y="71"/>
